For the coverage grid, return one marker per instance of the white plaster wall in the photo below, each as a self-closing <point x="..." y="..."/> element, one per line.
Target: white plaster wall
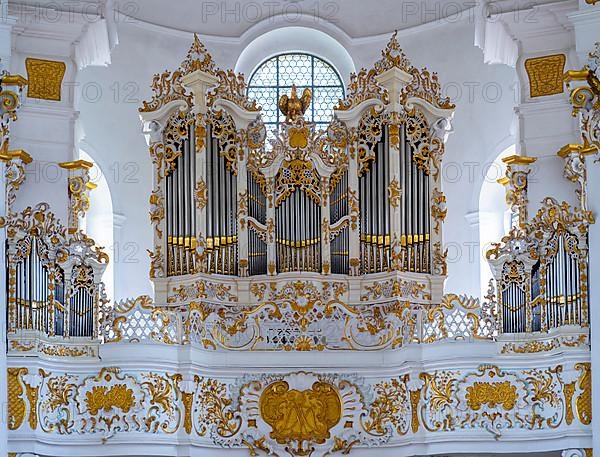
<point x="108" y="101"/>
<point x="484" y="95"/>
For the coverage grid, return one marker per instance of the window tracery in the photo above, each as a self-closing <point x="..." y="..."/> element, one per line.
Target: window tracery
<point x="275" y="77"/>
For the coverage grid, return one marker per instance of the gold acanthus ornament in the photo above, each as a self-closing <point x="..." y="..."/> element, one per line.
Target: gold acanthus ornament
<point x="201" y="193"/>
<point x="293" y="106"/>
<point x="438" y="208"/>
<point x="586" y="105"/>
<point x="394" y="192"/>
<point x="584" y="400"/>
<point x="493" y="394"/>
<point x="11" y="87"/>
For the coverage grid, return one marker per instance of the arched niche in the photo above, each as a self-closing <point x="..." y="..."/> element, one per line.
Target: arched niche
<point x="494" y="216"/>
<point x="99" y="221"/>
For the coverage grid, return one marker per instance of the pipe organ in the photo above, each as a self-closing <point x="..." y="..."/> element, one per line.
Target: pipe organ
<point x="363" y="196"/>
<point x="256" y="201"/>
<point x="561" y="280"/>
<point x="542" y="273"/>
<point x="353" y="199"/>
<point x="32" y="288"/>
<point x="221" y="222"/>
<point x="416" y="215"/>
<point x="53" y="279"/>
<point x="298" y="237"/>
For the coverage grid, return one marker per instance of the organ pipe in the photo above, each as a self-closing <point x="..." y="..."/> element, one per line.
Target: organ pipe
<point x="298" y="233"/>
<point x="41" y="301"/>
<point x="554" y="297"/>
<point x="375" y="211"/>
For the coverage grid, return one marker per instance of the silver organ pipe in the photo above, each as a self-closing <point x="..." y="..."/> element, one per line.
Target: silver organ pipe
<point x="221" y="210"/>
<point x="298" y="233"/>
<point x="562" y="294"/>
<point x="375" y="211"/>
<point x="339" y="209"/>
<point x="514" y="305"/>
<point x="415" y="215"/>
<point x="180" y="206"/>
<point x="32" y="289"/>
<point x="257" y="209"/>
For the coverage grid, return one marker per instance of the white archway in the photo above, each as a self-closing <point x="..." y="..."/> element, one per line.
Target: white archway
<point x="99" y="221"/>
<point x="494" y="217"/>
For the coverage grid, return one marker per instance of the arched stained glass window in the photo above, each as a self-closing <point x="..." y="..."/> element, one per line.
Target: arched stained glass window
<point x="275" y="77"/>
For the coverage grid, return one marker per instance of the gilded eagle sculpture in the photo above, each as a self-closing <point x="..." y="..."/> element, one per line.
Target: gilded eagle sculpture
<point x="293" y="106"/>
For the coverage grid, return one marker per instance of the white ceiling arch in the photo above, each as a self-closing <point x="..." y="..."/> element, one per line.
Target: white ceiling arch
<point x="232" y="18"/>
<point x="295" y="39"/>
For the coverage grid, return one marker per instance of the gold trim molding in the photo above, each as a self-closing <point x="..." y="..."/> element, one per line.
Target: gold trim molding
<point x="571" y="148"/>
<point x="519" y="160"/>
<point x="18" y="154"/>
<point x="76" y="165"/>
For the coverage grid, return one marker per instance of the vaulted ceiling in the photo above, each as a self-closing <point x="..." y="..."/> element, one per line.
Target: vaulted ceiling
<point x="231" y="18"/>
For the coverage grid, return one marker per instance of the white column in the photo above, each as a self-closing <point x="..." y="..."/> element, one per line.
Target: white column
<point x="586" y="22"/>
<point x="46" y="126"/>
<point x="5" y="52"/>
<point x="394" y="80"/>
<point x="271" y="246"/>
<point x="544" y="122"/>
<point x="242" y="212"/>
<point x="198" y="83"/>
<point x="3" y="398"/>
<point x="594" y="297"/>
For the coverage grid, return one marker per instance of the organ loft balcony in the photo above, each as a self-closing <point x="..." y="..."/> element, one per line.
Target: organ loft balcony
<point x="299" y="305"/>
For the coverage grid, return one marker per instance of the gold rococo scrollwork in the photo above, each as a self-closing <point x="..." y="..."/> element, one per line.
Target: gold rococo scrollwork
<point x="300" y="411"/>
<point x="168" y="86"/>
<point x="423" y="84"/>
<point x="392" y="314"/>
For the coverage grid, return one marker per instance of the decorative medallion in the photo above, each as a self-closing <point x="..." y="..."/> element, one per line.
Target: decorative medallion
<point x="306" y="415"/>
<point x="545" y="75"/>
<point x="45" y="78"/>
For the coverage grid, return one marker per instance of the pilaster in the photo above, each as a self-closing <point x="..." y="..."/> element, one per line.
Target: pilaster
<point x="12" y="175"/>
<point x="43" y="51"/>
<point x="580" y="158"/>
<point x="544" y="121"/>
